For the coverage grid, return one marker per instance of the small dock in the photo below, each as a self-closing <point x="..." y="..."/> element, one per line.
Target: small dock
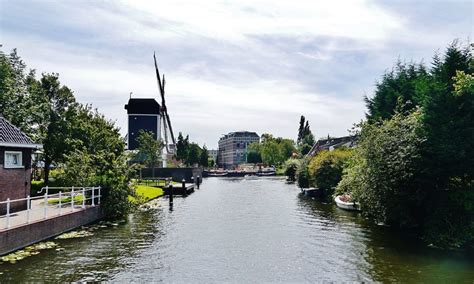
<point x="187" y="189"/>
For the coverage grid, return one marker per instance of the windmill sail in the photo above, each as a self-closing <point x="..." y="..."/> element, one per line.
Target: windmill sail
<point x="165" y="118"/>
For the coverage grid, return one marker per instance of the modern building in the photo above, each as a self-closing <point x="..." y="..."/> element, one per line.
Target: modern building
<point x="143" y="114"/>
<point x="233" y="148"/>
<point x="15" y="165"/>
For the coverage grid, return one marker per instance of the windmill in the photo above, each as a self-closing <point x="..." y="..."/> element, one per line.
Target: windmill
<point x="165" y="118"/>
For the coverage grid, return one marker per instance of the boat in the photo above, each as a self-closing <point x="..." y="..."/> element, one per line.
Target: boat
<point x="217" y="174"/>
<point x="266" y="174"/>
<point x="343" y="203"/>
<point x="312" y="192"/>
<point x="250" y="177"/>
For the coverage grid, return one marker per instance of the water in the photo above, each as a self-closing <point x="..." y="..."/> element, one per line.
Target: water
<point x="237" y="230"/>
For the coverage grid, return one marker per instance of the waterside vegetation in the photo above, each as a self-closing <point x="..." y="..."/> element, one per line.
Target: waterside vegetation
<point x="413" y="167"/>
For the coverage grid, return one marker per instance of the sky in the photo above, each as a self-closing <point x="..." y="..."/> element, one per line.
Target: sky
<point x="231" y="65"/>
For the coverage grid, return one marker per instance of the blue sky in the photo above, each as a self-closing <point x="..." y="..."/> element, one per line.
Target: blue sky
<point x="246" y="65"/>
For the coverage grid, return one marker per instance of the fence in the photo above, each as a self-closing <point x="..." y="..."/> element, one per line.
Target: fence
<point x="69" y="199"/>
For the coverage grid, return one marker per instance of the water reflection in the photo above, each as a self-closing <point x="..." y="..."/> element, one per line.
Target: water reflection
<point x="237" y="230"/>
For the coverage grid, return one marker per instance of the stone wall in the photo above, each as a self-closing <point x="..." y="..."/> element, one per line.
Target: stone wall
<point x="17" y="238"/>
<point x="15" y="183"/>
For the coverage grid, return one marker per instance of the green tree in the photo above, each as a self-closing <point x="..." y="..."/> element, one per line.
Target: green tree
<point x="204" y="158"/>
<point x="253" y="153"/>
<point x="305" y="139"/>
<point x="302" y="174"/>
<point x="385" y="178"/>
<point x="56" y="113"/>
<point x="149" y="149"/>
<point x="182" y="147"/>
<point x="291" y="166"/>
<point x="325" y="169"/>
<point x="194" y="154"/>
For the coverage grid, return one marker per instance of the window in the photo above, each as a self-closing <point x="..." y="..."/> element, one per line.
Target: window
<point x="13" y="159"/>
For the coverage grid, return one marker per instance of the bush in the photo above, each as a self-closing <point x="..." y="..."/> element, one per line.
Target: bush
<point x="291" y="166"/>
<point x="383" y="175"/>
<point x="302" y="174"/>
<point x="325" y="169"/>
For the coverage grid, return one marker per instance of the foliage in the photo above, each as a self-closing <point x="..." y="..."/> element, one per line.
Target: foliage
<point x="204" y="157"/>
<point x="325" y="169"/>
<point x="302" y="174"/>
<point x="305" y="140"/>
<point x="190" y="153"/>
<point x="291" y="166"/>
<point x="271" y="151"/>
<point x="386" y="185"/>
<point x="414" y="164"/>
<point x="149" y="149"/>
<point x="182" y="147"/>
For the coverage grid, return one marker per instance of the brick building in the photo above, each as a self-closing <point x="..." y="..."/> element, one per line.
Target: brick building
<point x="15" y="164"/>
<point x="233" y="148"/>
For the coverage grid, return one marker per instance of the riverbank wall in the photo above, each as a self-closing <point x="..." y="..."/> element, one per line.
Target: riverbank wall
<point x="22" y="236"/>
<point x="177" y="174"/>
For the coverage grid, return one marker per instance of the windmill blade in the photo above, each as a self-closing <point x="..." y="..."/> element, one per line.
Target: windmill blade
<point x="171" y="129"/>
<point x="165" y="133"/>
<point x="160" y="86"/>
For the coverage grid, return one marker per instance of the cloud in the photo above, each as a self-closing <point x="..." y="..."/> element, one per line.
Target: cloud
<point x="247" y="65"/>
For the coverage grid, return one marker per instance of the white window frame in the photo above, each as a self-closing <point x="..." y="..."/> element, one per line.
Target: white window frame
<point x="14" y="166"/>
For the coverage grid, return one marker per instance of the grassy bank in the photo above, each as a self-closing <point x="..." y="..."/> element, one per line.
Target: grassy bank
<point x="145" y="193"/>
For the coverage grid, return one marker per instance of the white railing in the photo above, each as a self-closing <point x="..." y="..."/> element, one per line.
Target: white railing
<point x="39" y="207"/>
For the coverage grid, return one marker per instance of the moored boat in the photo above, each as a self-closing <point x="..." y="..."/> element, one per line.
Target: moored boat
<point x="312" y="192"/>
<point x="217" y="174"/>
<point x="342" y="201"/>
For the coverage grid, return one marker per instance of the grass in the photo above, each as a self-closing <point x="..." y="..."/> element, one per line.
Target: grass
<point x="77" y="198"/>
<point x="145" y="193"/>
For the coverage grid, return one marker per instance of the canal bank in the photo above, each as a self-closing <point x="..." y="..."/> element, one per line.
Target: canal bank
<point x="238" y="230"/>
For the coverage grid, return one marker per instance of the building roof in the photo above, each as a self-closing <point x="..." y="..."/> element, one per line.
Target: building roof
<point x="240" y="134"/>
<point x="143" y="106"/>
<point x="11" y="136"/>
<point x="333" y="143"/>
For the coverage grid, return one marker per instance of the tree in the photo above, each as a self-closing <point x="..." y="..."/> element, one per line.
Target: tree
<point x="182" y="147"/>
<point x="325" y="169"/>
<point x="149" y="149"/>
<point x="194" y="154"/>
<point x="56" y="113"/>
<point x="302" y="174"/>
<point x="253" y="153"/>
<point x="384" y="177"/>
<point x="300" y="130"/>
<point x="291" y="166"/>
<point x="305" y="139"/>
<point x="204" y="158"/>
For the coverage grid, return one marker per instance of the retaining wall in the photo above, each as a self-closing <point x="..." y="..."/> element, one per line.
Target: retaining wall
<point x="19" y="237"/>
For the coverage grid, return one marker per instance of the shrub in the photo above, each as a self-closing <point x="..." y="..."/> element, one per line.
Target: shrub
<point x="302" y="174"/>
<point x="325" y="169"/>
<point x="291" y="166"/>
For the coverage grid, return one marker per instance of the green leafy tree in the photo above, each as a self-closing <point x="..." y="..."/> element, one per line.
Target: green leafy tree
<point x="56" y="115"/>
<point x="194" y="154"/>
<point x="302" y="174"/>
<point x="384" y="179"/>
<point x="149" y="149"/>
<point x="182" y="147"/>
<point x="253" y="153"/>
<point x="291" y="166"/>
<point x="305" y="139"/>
<point x="204" y="158"/>
<point x="325" y="169"/>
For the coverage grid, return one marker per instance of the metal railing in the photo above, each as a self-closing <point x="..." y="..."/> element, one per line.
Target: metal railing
<point x="68" y="199"/>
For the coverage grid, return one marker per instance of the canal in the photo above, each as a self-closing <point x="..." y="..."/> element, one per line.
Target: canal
<point x="237" y="230"/>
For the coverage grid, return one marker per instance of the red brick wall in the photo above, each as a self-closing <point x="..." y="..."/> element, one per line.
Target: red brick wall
<point x="15" y="183"/>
